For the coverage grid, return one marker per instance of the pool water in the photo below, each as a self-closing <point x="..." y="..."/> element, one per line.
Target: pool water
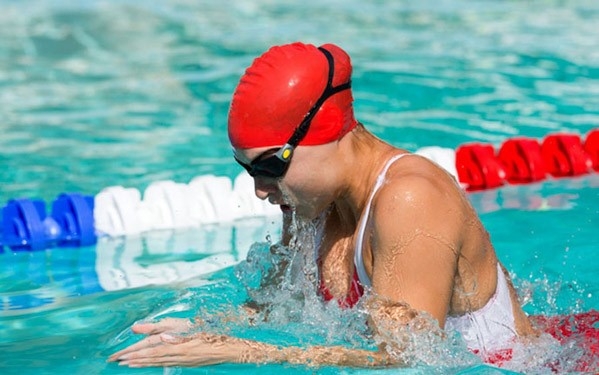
<point x="95" y="94"/>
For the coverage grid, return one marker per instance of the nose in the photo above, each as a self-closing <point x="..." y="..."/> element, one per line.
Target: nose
<point x="263" y="187"/>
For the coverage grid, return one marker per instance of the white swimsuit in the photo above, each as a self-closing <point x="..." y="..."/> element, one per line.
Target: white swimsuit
<point x="486" y="330"/>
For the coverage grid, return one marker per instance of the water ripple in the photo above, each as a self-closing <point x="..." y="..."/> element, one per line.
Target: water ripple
<point x="94" y="94"/>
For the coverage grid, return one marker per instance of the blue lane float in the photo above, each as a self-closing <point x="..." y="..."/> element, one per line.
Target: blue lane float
<point x="77" y="220"/>
<point x="27" y="226"/>
<point x="23" y="224"/>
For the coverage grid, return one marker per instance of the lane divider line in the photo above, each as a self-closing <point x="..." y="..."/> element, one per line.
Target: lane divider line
<point x="78" y="220"/>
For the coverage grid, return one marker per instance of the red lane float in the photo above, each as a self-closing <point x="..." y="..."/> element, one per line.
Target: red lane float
<point x="591" y="146"/>
<point x="526" y="160"/>
<point x="478" y="167"/>
<point x="521" y="158"/>
<point x="564" y="155"/>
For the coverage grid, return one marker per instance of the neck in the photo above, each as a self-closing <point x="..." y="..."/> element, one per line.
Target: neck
<point x="364" y="155"/>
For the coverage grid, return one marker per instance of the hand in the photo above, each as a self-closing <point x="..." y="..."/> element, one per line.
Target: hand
<point x="165" y="346"/>
<point x="171" y="325"/>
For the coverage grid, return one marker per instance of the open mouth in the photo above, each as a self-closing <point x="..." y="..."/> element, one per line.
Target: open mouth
<point x="285" y="208"/>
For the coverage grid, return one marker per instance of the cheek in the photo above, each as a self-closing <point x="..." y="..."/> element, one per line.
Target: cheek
<point x="299" y="183"/>
<point x="307" y="192"/>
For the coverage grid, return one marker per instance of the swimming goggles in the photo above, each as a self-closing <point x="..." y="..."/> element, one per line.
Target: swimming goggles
<point x="276" y="165"/>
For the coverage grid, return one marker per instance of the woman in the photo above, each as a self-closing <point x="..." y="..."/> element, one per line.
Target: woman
<point x="395" y="223"/>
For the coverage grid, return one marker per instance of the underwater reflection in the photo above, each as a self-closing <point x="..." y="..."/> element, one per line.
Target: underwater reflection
<point x="36" y="279"/>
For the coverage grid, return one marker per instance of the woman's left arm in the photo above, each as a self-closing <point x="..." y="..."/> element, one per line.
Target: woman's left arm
<point x="203" y="349"/>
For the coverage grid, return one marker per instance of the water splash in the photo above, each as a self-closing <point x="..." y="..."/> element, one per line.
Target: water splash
<point x="282" y="281"/>
<point x="543" y="294"/>
<point x="545" y="353"/>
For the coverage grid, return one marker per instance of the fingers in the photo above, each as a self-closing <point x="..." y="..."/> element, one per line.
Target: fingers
<point x="165" y="356"/>
<point x="168" y="324"/>
<point x="168" y="350"/>
<point x="148" y="342"/>
<point x="158" y="333"/>
<point x="159" y="362"/>
<point x="152" y="356"/>
<point x="172" y="360"/>
<point x="147" y="328"/>
<point x="171" y="339"/>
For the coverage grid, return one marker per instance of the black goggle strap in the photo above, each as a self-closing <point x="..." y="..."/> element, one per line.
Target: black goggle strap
<point x="244" y="165"/>
<point x="302" y="129"/>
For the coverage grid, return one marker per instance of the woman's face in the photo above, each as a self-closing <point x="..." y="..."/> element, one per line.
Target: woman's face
<point x="306" y="187"/>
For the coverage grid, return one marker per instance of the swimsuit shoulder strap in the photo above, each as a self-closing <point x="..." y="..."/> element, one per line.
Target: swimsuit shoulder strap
<point x="358" y="258"/>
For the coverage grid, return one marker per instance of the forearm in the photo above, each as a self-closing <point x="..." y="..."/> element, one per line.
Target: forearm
<point x="337" y="356"/>
<point x="315" y="356"/>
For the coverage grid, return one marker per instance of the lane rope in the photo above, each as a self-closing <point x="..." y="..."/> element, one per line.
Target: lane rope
<point x="75" y="219"/>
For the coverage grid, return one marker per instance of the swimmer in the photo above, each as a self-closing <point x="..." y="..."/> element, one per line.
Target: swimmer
<point x="394" y="223"/>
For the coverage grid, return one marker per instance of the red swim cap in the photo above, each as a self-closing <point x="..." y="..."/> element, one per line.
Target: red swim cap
<point x="279" y="88"/>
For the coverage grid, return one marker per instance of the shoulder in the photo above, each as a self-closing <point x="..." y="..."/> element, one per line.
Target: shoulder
<point x="418" y="196"/>
<point x="416" y="180"/>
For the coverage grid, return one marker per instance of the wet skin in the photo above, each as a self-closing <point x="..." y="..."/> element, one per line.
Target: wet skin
<point x="425" y="250"/>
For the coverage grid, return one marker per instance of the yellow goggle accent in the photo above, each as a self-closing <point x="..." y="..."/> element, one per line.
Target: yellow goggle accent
<point x="286" y="154"/>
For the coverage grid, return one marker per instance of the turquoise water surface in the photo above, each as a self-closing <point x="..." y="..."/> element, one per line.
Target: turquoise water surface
<point x="102" y="93"/>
